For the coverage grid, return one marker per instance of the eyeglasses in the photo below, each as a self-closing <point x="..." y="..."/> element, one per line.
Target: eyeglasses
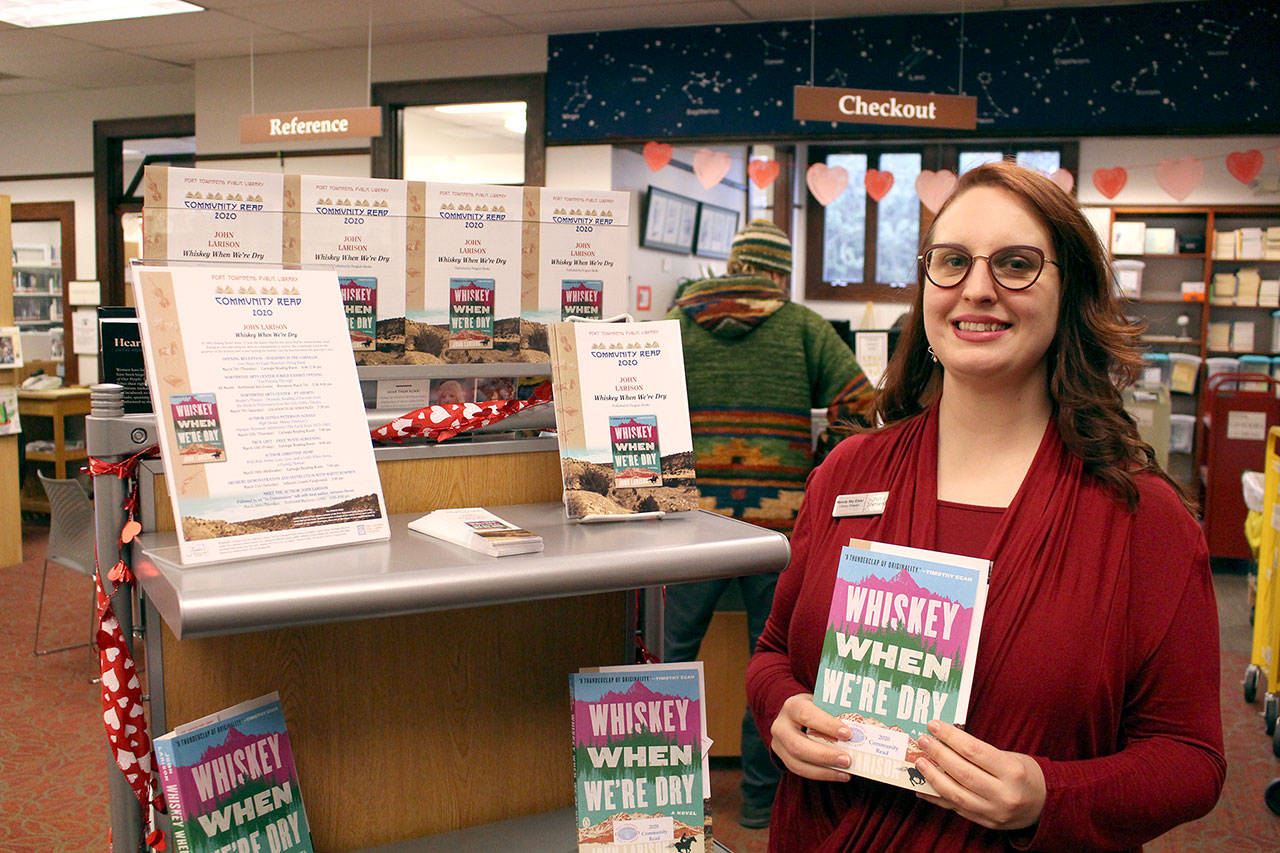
<point x="1013" y="267"/>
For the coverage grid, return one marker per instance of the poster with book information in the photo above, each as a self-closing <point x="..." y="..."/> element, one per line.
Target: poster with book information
<point x="469" y="310"/>
<point x="258" y="408"/>
<point x="361" y="228"/>
<point x="212" y="216"/>
<point x="579" y="238"/>
<point x="900" y="643"/>
<point x="622" y="419"/>
<point x="230" y="783"/>
<point x="638" y="759"/>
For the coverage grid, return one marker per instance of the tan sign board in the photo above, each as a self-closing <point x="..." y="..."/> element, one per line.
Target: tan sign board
<point x="355" y="123"/>
<point x="868" y="106"/>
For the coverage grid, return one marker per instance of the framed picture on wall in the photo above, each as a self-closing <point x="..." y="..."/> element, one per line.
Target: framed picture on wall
<point x="670" y="221"/>
<point x="716" y="227"/>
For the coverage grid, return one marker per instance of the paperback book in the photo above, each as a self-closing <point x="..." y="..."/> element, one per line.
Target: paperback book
<point x="622" y="419"/>
<point x="479" y="530"/>
<point x="230" y="783"/>
<point x="900" y="642"/>
<point x="639" y="750"/>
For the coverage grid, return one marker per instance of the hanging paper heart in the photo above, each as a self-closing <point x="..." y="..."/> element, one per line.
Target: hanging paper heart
<point x="878" y="183"/>
<point x="156" y="840"/>
<point x="657" y="155"/>
<point x="1109" y="182"/>
<point x="762" y="172"/>
<point x="1179" y="178"/>
<point x="934" y="188"/>
<point x="826" y="182"/>
<point x="710" y="166"/>
<point x="1064" y="179"/>
<point x="1244" y="166"/>
<point x="131" y="529"/>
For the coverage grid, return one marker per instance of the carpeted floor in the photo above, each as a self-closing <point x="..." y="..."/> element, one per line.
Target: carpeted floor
<point x="53" y="757"/>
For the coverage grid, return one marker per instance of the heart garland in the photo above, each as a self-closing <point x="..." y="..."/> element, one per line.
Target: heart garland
<point x="1109" y="182"/>
<point x="442" y="422"/>
<point x="1182" y="176"/>
<point x="934" y="188"/>
<point x="123" y="713"/>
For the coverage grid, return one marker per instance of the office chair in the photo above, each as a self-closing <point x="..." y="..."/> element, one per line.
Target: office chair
<point x="71" y="543"/>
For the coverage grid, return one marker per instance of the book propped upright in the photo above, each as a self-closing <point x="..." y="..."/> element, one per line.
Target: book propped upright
<point x="622" y="419"/>
<point x="479" y="530"/>
<point x="639" y="758"/>
<point x="900" y="643"/>
<point x="230" y="783"/>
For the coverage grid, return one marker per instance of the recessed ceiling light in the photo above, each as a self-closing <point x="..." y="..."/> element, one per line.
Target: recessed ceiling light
<point x="52" y="13"/>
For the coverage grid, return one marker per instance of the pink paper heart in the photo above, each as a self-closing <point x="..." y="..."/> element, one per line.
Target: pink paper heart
<point x="826" y="182"/>
<point x="710" y="166"/>
<point x="1179" y="178"/>
<point x="1109" y="182"/>
<point x="878" y="183"/>
<point x="1244" y="166"/>
<point x="934" y="188"/>
<point x="763" y="172"/>
<point x="657" y="155"/>
<point x="1064" y="179"/>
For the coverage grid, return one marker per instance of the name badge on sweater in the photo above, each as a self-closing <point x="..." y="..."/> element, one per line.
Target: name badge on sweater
<point x="867" y="503"/>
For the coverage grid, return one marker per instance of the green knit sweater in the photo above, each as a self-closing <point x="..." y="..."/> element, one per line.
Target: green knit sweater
<point x="755" y="364"/>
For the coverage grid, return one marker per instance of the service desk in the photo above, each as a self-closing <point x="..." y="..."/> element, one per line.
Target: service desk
<point x="425" y="686"/>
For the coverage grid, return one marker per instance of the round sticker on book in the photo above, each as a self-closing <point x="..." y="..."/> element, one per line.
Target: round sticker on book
<point x="627" y="833"/>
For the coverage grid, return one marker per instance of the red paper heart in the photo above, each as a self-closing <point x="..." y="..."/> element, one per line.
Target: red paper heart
<point x="934" y="188"/>
<point x="120" y="573"/>
<point x="826" y="182"/>
<point x="657" y="155"/>
<point x="1109" y="182"/>
<point x="710" y="166"/>
<point x="878" y="183"/>
<point x="1179" y="178"/>
<point x="1244" y="166"/>
<point x="131" y="529"/>
<point x="763" y="172"/>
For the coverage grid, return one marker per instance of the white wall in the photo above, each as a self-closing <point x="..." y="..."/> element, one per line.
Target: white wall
<point x="76" y="190"/>
<point x="662" y="271"/>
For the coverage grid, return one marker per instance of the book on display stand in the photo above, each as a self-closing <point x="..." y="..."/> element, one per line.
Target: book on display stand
<point x="622" y="419"/>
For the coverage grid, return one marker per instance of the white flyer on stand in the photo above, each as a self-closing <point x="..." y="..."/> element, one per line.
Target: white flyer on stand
<point x="262" y="427"/>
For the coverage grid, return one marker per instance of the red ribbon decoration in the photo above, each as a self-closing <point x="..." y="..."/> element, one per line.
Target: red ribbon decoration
<point x="123" y="713"/>
<point x="441" y="422"/>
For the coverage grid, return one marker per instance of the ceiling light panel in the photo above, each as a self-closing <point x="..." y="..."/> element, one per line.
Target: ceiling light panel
<point x="53" y="13"/>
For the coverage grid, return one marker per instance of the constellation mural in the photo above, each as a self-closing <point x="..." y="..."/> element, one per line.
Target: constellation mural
<point x="1191" y="67"/>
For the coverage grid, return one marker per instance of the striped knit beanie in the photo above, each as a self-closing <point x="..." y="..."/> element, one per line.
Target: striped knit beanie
<point x="763" y="245"/>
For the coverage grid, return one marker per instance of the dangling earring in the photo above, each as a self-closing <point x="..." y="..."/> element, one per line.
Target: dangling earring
<point x="933" y="356"/>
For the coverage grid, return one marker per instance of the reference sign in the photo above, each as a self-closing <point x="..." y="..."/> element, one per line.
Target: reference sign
<point x="353" y="123"/>
<point x="865" y="106"/>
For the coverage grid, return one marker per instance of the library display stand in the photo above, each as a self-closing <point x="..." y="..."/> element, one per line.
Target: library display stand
<point x="425" y="685"/>
<point x="1235" y="424"/>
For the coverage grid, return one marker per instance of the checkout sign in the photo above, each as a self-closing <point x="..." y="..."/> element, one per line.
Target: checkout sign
<point x="867" y="106"/>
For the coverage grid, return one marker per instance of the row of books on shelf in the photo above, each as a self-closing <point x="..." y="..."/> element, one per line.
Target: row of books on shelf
<point x="1245" y="287"/>
<point x="1237" y="336"/>
<point x="1138" y="238"/>
<point x="1247" y="244"/>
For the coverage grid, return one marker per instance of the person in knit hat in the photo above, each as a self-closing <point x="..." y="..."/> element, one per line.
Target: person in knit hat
<point x="756" y="363"/>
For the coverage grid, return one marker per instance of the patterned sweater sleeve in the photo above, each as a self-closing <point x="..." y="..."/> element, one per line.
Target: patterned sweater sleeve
<point x="837" y="381"/>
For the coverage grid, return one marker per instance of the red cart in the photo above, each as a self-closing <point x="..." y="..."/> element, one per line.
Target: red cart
<point x="1240" y="409"/>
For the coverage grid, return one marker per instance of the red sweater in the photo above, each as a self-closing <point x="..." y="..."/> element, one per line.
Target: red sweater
<point x="1102" y="665"/>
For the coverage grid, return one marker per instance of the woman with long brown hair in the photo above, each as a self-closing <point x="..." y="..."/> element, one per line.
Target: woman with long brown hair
<point x="1093" y="720"/>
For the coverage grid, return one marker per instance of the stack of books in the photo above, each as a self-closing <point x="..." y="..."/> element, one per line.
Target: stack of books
<point x="1248" y="282"/>
<point x="1249" y="244"/>
<point x="1224" y="246"/>
<point x="1224" y="289"/>
<point x="479" y="530"/>
<point x="1271" y="244"/>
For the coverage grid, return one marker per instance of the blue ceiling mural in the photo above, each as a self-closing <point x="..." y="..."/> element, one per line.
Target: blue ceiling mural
<point x="1205" y="67"/>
